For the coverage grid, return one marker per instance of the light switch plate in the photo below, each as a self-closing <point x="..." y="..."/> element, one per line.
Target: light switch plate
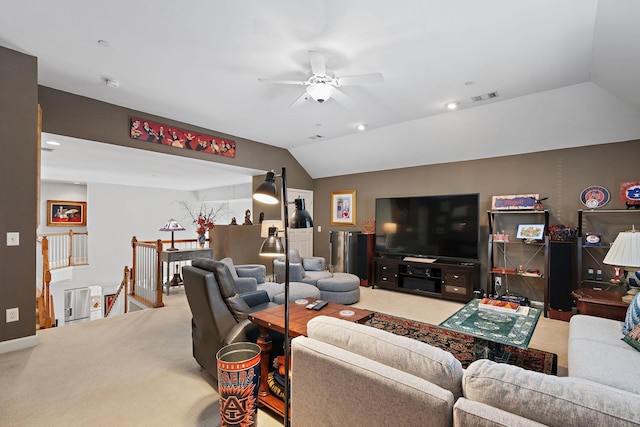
<point x="13" y="238"/>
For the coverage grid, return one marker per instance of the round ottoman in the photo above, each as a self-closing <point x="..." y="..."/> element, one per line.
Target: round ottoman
<point x="343" y="288"/>
<point x="298" y="290"/>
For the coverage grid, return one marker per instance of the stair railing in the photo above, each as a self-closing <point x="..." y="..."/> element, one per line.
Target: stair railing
<point x="46" y="313"/>
<point x="66" y="249"/>
<point x="147" y="269"/>
<point x="124" y="286"/>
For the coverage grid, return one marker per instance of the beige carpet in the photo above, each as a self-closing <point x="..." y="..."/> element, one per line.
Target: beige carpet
<point x="130" y="370"/>
<point x="137" y="369"/>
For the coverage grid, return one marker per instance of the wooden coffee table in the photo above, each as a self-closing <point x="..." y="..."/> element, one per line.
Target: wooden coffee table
<point x="273" y="319"/>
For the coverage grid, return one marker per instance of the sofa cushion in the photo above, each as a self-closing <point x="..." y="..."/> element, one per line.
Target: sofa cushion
<point x="594" y="344"/>
<point x="335" y="387"/>
<point x="548" y="399"/>
<point x="470" y="413"/>
<point x="417" y="358"/>
<point x="633" y="338"/>
<point x="632" y="319"/>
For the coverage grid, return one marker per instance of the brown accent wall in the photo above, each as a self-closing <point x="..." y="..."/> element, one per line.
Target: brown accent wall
<point x="560" y="175"/>
<point x="85" y="118"/>
<point x="18" y="166"/>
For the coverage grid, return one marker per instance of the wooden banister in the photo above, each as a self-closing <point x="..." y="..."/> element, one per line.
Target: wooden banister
<point x="123" y="286"/>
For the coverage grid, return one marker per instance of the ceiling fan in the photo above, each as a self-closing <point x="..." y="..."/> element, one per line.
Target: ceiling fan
<point x="322" y="85"/>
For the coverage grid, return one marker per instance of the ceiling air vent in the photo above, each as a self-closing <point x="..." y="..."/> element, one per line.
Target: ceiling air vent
<point x="484" y="97"/>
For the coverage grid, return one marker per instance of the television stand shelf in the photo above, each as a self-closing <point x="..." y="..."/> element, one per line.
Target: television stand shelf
<point x="447" y="280"/>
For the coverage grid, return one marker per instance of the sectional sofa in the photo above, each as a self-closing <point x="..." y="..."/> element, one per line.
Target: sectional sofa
<point x="349" y="374"/>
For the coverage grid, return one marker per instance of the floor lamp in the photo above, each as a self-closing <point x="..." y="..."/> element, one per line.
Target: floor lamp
<point x="267" y="192"/>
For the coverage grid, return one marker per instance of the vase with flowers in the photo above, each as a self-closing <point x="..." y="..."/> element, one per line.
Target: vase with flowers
<point x="204" y="220"/>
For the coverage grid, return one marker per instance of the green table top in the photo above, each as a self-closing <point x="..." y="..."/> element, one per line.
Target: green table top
<point x="514" y="329"/>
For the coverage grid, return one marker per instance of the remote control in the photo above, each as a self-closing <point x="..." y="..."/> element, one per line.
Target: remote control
<point x="319" y="304"/>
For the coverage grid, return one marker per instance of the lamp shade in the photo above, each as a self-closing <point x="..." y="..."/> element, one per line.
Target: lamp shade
<point x="172" y="225"/>
<point x="625" y="251"/>
<point x="267" y="224"/>
<point x="300" y="217"/>
<point x="272" y="245"/>
<point x="267" y="192"/>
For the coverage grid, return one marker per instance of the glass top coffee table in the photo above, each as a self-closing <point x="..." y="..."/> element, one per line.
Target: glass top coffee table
<point x="491" y="329"/>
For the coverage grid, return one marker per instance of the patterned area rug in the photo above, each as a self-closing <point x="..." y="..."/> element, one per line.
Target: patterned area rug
<point x="461" y="345"/>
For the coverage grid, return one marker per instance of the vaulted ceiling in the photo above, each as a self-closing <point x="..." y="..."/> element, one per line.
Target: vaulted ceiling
<point x="565" y="72"/>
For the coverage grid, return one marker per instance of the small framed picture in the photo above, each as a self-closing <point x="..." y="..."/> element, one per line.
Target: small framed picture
<point x="66" y="213"/>
<point x="108" y="300"/>
<point x="530" y="231"/>
<point x="343" y="207"/>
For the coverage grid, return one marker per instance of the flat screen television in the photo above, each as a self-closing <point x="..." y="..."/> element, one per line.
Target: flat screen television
<point x="442" y="227"/>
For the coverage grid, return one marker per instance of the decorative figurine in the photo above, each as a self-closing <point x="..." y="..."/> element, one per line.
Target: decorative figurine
<point x="233" y="221"/>
<point x="538" y="205"/>
<point x="617" y="276"/>
<point x="247" y="218"/>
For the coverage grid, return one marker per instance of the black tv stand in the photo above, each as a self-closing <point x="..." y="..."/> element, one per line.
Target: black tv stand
<point x="447" y="280"/>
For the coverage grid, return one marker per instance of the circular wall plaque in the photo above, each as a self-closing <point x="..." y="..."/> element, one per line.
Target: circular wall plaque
<point x="595" y="196"/>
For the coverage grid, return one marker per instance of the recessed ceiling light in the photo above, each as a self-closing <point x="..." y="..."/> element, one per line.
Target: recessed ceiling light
<point x="56" y="143"/>
<point x="452" y="105"/>
<point x="361" y="126"/>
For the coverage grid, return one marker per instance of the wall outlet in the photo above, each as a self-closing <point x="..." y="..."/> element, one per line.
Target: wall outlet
<point x="13" y="314"/>
<point x="497" y="282"/>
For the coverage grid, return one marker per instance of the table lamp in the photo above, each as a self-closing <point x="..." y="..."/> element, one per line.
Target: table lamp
<point x="172" y="225"/>
<point x="267" y="192"/>
<point x="625" y="253"/>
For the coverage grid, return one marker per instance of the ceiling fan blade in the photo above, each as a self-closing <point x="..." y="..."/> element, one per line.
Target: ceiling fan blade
<point x="342" y="99"/>
<point x="286" y="82"/>
<point x="300" y="100"/>
<point x="318" y="63"/>
<point x="359" y="79"/>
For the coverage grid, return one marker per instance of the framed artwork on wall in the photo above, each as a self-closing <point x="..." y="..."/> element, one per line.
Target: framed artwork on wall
<point x="66" y="213"/>
<point x="343" y="207"/>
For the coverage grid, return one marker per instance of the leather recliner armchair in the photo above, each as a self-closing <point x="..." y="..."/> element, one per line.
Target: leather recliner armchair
<point x="219" y="312"/>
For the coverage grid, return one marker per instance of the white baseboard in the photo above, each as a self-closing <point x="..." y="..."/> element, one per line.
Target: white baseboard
<point x="18" y="344"/>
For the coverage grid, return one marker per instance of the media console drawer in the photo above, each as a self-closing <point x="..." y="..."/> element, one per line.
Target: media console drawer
<point x="462" y="290"/>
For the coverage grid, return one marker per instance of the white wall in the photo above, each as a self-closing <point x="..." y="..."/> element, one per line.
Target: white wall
<point x="116" y="213"/>
<point x="59" y="191"/>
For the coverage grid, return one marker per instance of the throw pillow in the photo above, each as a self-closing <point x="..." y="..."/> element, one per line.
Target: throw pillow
<point x="632" y="318"/>
<point x="633" y="338"/>
<point x="313" y="263"/>
<point x="232" y="269"/>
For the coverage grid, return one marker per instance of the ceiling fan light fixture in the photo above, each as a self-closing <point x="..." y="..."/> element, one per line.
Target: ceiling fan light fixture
<point x="320" y="91"/>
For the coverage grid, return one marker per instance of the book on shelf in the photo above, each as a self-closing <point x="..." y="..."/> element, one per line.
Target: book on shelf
<point x="503" y="270"/>
<point x="499" y="305"/>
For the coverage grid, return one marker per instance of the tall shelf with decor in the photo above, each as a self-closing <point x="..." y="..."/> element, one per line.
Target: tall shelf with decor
<point x="597" y="229"/>
<point x="518" y="265"/>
